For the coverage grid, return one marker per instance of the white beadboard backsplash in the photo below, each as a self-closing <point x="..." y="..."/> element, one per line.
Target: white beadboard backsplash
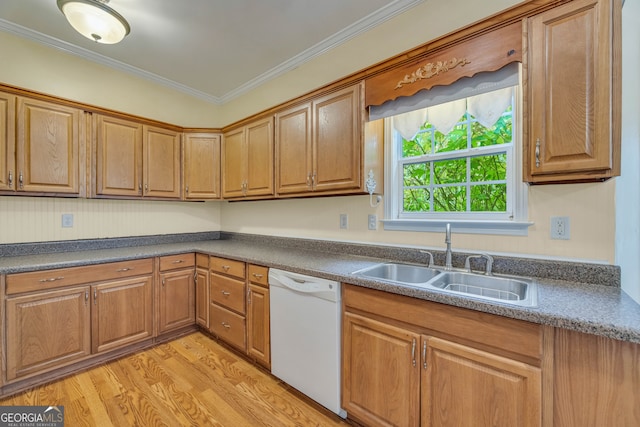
<point x="39" y="219"/>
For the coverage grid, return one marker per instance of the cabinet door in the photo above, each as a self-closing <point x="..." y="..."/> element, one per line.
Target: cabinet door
<point x="380" y="373"/>
<point x="233" y="164"/>
<point x="201" y="166"/>
<point x="161" y="162"/>
<point x="337" y="140"/>
<point x="47" y="330"/>
<point x="463" y="386"/>
<point x="202" y="297"/>
<point x="259" y="175"/>
<point x="48" y="147"/>
<point x="7" y="141"/>
<point x="294" y="150"/>
<point x="122" y="313"/>
<point x="177" y="300"/>
<point x="258" y="335"/>
<point x="574" y="86"/>
<point x="118" y="157"/>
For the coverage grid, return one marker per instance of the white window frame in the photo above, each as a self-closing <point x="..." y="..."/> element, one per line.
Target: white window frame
<point x="514" y="222"/>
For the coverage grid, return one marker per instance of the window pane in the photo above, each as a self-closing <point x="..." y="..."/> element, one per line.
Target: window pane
<point x="500" y="133"/>
<point x="416" y="175"/>
<point x="450" y="199"/>
<point x="454" y="140"/>
<point x="450" y="171"/>
<point x="489" y="198"/>
<point x="489" y="168"/>
<point x="416" y="200"/>
<point x="418" y="146"/>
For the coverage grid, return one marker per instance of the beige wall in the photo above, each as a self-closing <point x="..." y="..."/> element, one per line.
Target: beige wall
<point x="589" y="206"/>
<point x="39" y="219"/>
<point x="52" y="71"/>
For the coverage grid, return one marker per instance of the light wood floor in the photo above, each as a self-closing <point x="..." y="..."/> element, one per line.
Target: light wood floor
<point x="191" y="381"/>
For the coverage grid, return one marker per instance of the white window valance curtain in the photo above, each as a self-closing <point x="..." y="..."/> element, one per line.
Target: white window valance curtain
<point x="486" y="96"/>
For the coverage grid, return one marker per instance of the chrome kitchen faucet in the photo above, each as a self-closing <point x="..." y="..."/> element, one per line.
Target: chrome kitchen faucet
<point x="447" y="240"/>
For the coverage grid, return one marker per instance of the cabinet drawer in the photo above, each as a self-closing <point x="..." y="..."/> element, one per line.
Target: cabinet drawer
<point x="228" y="267"/>
<point x="61" y="277"/>
<point x="173" y="262"/>
<point x="259" y="275"/>
<point x="228" y="292"/>
<point x="228" y="326"/>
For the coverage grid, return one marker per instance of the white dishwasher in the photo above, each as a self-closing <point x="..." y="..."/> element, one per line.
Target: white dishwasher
<point x="305" y="335"/>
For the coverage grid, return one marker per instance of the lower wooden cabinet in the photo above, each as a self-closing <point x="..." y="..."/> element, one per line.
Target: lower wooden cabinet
<point x="258" y="316"/>
<point x="463" y="386"/>
<point x="380" y="374"/>
<point x="202" y="290"/>
<point x="398" y="374"/>
<point x="227" y="295"/>
<point x="239" y="307"/>
<point x="46" y="330"/>
<point x="55" y="318"/>
<point x="122" y="313"/>
<point x="176" y="292"/>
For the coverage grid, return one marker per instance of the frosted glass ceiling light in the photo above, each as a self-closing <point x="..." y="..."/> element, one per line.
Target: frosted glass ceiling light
<point x="95" y="20"/>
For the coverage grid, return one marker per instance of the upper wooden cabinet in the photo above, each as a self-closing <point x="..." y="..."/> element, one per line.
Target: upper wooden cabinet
<point x="40" y="149"/>
<point x="7" y="141"/>
<point x="201" y="166"/>
<point x="135" y="160"/>
<point x="247" y="161"/>
<point x="161" y="162"/>
<point x="320" y="145"/>
<point x="118" y="152"/>
<point x="573" y="77"/>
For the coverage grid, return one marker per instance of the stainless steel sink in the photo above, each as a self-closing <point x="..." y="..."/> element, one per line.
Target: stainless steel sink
<point x="399" y="273"/>
<point x="504" y="289"/>
<point x="510" y="290"/>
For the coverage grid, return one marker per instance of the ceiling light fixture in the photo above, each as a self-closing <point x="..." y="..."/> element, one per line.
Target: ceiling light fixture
<point x="95" y="20"/>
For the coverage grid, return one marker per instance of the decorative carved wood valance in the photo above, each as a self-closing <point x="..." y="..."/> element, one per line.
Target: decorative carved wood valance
<point x="487" y="52"/>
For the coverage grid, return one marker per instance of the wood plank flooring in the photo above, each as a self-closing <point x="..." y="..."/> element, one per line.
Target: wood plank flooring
<point x="191" y="381"/>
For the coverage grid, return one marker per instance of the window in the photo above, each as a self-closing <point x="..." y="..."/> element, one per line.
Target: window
<point x="457" y="161"/>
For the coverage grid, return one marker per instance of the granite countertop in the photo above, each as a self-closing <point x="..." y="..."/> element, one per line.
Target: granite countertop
<point x="586" y="307"/>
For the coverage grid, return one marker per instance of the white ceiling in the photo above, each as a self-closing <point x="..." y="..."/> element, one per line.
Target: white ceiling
<point x="212" y="49"/>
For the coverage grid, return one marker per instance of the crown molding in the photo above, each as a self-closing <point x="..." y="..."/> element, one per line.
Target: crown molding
<point x="395" y="8"/>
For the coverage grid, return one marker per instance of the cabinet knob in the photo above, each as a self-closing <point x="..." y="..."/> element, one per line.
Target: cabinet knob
<point x="226" y="325"/>
<point x="10" y="181"/>
<point x="20" y="181"/>
<point x="538" y="152"/>
<point x="225" y="293"/>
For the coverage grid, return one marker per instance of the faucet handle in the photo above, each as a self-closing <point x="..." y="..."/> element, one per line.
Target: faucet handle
<point x="430" y="257"/>
<point x="489" y="263"/>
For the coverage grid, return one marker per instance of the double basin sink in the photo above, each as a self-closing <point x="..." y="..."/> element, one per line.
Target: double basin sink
<point x="510" y="290"/>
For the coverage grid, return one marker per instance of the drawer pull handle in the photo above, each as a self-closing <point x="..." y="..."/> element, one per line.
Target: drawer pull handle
<point x="538" y="152"/>
<point x="122" y="270"/>
<point x="226" y="267"/>
<point x="53" y="279"/>
<point x="225" y="293"/>
<point x="178" y="261"/>
<point x="226" y="325"/>
<point x="258" y="276"/>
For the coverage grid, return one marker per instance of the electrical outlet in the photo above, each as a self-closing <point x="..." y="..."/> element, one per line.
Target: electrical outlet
<point x="67" y="220"/>
<point x="344" y="221"/>
<point x="560" y="227"/>
<point x="373" y="222"/>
